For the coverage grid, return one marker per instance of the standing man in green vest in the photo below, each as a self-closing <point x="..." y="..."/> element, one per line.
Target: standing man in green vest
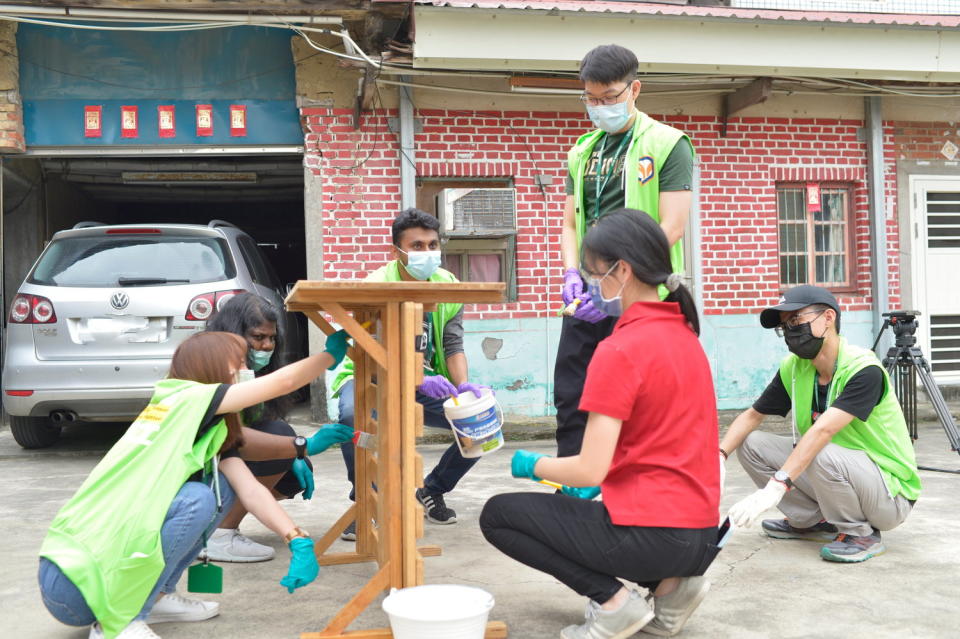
<point x="852" y="472"/>
<point x="631" y="161"/>
<point x="416" y="252"/>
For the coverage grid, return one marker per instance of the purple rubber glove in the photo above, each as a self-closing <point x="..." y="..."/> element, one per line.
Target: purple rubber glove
<point x="587" y="312"/>
<point x="437" y="387"/>
<point x="572" y="285"/>
<point x="476" y="389"/>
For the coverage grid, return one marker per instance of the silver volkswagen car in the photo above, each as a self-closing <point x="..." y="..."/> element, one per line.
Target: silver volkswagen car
<point x="98" y="317"/>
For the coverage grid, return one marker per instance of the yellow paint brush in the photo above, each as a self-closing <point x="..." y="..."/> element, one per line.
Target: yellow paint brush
<point x="570" y="308"/>
<point x="551" y="484"/>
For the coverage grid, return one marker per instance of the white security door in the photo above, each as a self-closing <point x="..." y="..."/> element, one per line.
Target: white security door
<point x="936" y="268"/>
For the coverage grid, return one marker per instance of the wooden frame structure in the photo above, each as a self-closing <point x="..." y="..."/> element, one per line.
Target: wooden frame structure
<point x="384" y="320"/>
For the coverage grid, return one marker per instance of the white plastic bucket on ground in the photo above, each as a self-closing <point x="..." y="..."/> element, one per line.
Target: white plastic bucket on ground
<point x="438" y="612"/>
<point x="476" y="422"/>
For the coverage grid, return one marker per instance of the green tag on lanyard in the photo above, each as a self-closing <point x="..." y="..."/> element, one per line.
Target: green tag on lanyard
<point x="205" y="577"/>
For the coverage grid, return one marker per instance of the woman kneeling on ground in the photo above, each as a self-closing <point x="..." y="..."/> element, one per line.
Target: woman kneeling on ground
<point x="255" y="320"/>
<point x="116" y="550"/>
<point x="650" y="444"/>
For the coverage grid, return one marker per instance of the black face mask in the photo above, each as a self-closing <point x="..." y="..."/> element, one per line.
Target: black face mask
<point x="801" y="341"/>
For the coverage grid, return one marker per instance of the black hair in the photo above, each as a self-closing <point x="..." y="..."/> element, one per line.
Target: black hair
<point x="634" y="237"/>
<point x="827" y="307"/>
<point x="238" y="315"/>
<point x="413" y="218"/>
<point x="609" y="64"/>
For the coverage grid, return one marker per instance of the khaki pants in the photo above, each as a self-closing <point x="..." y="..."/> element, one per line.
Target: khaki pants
<point x="841" y="486"/>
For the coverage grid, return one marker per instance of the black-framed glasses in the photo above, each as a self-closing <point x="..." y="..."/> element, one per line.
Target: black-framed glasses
<point x="794" y="321"/>
<point x="607" y="101"/>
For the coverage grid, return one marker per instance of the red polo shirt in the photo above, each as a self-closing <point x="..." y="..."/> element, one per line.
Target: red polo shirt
<point x="652" y="374"/>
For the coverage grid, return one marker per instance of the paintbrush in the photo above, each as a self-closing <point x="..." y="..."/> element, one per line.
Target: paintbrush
<point x="365" y="440"/>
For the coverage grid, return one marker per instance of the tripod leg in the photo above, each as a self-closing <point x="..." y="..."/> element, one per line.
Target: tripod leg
<point x="939" y="404"/>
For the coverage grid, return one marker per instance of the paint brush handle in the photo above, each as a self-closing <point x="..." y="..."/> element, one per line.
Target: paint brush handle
<point x="570" y="308"/>
<point x="551" y="484"/>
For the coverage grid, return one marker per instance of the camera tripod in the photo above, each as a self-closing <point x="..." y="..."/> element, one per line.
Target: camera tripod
<point x="904" y="362"/>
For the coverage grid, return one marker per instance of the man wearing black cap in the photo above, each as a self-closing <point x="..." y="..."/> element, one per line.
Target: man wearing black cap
<point x="849" y="470"/>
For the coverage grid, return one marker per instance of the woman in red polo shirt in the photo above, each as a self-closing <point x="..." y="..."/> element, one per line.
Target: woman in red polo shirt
<point x="651" y="445"/>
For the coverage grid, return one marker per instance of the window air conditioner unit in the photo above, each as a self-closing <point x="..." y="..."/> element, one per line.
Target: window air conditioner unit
<point x="477" y="212"/>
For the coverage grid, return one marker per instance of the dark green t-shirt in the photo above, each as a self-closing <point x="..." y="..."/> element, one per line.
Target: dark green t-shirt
<point x="676" y="174"/>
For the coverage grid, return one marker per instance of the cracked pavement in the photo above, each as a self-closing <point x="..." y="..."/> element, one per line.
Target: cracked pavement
<point x="761" y="587"/>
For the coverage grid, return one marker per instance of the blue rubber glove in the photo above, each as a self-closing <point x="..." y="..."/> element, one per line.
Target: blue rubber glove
<point x="337" y="347"/>
<point x="304" y="475"/>
<point x="476" y="389"/>
<point x="327" y="436"/>
<point x="572" y="286"/>
<point x="587" y="312"/>
<point x="303" y="564"/>
<point x="523" y="463"/>
<point x="437" y="387"/>
<point x="586" y="492"/>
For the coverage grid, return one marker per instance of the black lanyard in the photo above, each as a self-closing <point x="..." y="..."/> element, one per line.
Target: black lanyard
<point x="606" y="174"/>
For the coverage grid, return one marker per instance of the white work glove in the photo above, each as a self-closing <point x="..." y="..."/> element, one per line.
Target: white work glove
<point x="745" y="512"/>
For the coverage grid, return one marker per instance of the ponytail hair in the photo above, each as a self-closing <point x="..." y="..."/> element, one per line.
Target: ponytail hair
<point x="634" y="237"/>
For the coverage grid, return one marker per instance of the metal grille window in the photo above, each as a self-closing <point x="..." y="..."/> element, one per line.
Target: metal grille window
<point x="815" y="235"/>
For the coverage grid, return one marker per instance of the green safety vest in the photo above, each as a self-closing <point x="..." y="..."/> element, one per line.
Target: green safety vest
<point x="106" y="539"/>
<point x="445" y="312"/>
<point x="650" y="145"/>
<point x="883" y="436"/>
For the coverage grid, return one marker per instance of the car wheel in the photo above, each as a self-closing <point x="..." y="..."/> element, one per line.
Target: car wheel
<point x="33" y="432"/>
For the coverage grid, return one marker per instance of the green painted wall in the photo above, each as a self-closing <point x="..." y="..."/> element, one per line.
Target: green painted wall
<point x="516" y="356"/>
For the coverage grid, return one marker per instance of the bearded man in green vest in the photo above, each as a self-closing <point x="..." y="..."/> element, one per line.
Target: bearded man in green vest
<point x="631" y="161"/>
<point x="416" y="252"/>
<point x="849" y="471"/>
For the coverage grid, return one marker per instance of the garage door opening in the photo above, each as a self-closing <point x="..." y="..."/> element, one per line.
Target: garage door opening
<point x="262" y="195"/>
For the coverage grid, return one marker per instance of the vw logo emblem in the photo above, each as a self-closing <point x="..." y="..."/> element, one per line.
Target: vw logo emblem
<point x="119" y="300"/>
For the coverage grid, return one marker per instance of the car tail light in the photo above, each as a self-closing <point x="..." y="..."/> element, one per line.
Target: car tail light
<point x="32" y="309"/>
<point x="20" y="393"/>
<point x="202" y="306"/>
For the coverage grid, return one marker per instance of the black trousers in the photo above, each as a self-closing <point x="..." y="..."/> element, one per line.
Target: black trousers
<point x="578" y="341"/>
<point x="575" y="541"/>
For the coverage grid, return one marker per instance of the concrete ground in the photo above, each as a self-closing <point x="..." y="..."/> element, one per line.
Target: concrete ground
<point x="761" y="587"/>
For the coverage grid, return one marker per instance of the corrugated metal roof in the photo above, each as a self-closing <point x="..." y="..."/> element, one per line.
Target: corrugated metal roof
<point x="688" y="11"/>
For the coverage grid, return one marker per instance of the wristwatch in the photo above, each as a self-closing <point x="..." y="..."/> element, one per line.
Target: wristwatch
<point x="783" y="478"/>
<point x="300" y="443"/>
<point x="296" y="532"/>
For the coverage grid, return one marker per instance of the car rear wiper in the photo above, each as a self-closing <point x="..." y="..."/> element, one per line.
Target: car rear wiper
<point x="145" y="281"/>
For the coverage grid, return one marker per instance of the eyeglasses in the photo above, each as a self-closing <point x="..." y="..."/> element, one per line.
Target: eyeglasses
<point x="608" y="100"/>
<point x="794" y="321"/>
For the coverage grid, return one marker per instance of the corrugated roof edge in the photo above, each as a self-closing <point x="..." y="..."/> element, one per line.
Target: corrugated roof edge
<point x="650" y="8"/>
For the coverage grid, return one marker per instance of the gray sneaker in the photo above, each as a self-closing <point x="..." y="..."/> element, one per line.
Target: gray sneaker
<point x="616" y="624"/>
<point x="853" y="549"/>
<point x="674" y="609"/>
<point x="350" y="532"/>
<point x="781" y="529"/>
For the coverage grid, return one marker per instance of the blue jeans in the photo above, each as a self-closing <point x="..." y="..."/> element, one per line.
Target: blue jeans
<point x="445" y="475"/>
<point x="192" y="511"/>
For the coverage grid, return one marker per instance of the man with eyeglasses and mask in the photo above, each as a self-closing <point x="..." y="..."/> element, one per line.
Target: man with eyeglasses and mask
<point x="632" y="161"/>
<point x="849" y="470"/>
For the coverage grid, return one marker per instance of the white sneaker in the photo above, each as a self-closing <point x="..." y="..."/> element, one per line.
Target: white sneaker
<point x="136" y="629"/>
<point x="173" y="607"/>
<point x="227" y="544"/>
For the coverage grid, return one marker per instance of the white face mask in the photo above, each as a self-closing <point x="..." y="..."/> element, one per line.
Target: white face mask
<point x="610" y="117"/>
<point x="244" y="375"/>
<point x="421" y="264"/>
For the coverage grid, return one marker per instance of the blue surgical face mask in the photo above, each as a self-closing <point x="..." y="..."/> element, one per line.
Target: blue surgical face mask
<point x="610" y="117"/>
<point x="613" y="306"/>
<point x="422" y="264"/>
<point x="258" y="359"/>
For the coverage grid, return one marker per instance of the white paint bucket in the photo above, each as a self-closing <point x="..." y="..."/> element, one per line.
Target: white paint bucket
<point x="477" y="422"/>
<point x="438" y="612"/>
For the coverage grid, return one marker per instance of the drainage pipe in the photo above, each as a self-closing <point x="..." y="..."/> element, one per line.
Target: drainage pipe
<point x="408" y="152"/>
<point x="879" y="274"/>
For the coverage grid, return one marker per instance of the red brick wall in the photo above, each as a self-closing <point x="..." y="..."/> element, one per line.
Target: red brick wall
<point x="737" y="203"/>
<point x="924" y="140"/>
